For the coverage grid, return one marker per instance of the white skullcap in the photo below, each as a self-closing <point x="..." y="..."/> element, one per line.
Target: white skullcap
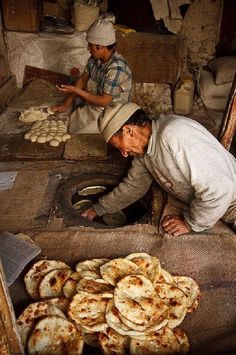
<point x="114" y="117"/>
<point x="102" y="32"/>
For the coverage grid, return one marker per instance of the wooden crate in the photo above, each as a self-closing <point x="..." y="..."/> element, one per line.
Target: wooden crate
<point x="21" y="15"/>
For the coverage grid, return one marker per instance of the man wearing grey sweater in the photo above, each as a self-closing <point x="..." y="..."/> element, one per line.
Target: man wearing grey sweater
<point x="185" y="159"/>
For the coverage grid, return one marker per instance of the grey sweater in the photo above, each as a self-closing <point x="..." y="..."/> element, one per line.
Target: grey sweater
<point x="187" y="162"/>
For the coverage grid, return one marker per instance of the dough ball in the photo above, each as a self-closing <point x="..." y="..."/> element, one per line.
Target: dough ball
<point x="49" y="137"/>
<point x="53" y="129"/>
<point x="54" y="143"/>
<point x="27" y="135"/>
<point x="61" y="131"/>
<point x="65" y="137"/>
<point x="36" y="125"/>
<point x="33" y="138"/>
<point x="58" y="138"/>
<point x="41" y="139"/>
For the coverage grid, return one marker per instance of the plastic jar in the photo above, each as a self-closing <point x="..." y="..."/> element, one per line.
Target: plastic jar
<point x="184" y="96"/>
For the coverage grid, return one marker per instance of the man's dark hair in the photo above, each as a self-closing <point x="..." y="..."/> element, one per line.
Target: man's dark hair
<point x="138" y="118"/>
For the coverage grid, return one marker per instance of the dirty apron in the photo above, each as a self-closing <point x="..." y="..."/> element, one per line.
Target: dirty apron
<point x="84" y="119"/>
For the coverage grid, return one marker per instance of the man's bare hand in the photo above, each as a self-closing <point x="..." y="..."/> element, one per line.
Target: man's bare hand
<point x="90" y="214"/>
<point x="175" y="225"/>
<point x="69" y="89"/>
<point x="63" y="107"/>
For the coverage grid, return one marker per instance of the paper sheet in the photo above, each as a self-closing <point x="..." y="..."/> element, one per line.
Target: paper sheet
<point x="15" y="254"/>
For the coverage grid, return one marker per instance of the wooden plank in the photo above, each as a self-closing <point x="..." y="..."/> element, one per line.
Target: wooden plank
<point x="54" y="78"/>
<point x="85" y="146"/>
<point x="153" y="58"/>
<point x="10" y="342"/>
<point x="37" y="151"/>
<point x="9" y="145"/>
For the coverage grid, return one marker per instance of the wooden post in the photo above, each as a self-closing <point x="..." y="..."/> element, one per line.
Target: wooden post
<point x="10" y="342"/>
<point x="228" y="125"/>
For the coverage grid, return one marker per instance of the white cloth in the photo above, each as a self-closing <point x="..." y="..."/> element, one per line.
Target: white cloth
<point x="189" y="163"/>
<point x="84" y="119"/>
<point x="169" y="11"/>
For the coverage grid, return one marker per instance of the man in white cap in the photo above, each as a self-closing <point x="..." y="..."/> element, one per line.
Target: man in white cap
<point x="184" y="158"/>
<point x="106" y="77"/>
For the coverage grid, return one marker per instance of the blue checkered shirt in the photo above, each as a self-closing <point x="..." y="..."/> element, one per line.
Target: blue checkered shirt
<point x="113" y="77"/>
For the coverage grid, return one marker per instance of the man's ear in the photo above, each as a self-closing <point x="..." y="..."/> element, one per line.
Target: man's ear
<point x="129" y="129"/>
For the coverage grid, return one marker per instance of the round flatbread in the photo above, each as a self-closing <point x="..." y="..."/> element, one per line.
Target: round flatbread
<point x="90" y="274"/>
<point x="96" y="286"/>
<point x="116" y="269"/>
<point x="69" y="287"/>
<point x="155" y="325"/>
<point x="150" y="265"/>
<point x="182" y="338"/>
<point x="28" y="318"/>
<point x="114" y="321"/>
<point x="176" y="301"/>
<point x="163" y="341"/>
<point x="164" y="277"/>
<point x="88" y="310"/>
<point x="60" y="302"/>
<point x="137" y="301"/>
<point x="91" y="265"/>
<point x="52" y="283"/>
<point x="55" y="336"/>
<point x="91" y="190"/>
<point x="112" y="342"/>
<point x="191" y="290"/>
<point x="34" y="276"/>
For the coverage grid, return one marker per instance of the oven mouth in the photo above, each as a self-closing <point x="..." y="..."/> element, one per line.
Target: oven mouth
<point x="77" y="194"/>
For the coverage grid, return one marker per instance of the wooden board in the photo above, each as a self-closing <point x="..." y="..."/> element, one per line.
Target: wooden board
<point x="9" y="145"/>
<point x="153" y="58"/>
<point x="54" y="78"/>
<point x="36" y="151"/>
<point x="9" y="337"/>
<point x="85" y="146"/>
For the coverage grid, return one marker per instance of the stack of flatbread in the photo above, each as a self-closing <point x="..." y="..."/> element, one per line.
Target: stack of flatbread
<point x="128" y="305"/>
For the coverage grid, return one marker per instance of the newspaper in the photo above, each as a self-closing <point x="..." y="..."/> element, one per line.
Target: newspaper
<point x="15" y="254"/>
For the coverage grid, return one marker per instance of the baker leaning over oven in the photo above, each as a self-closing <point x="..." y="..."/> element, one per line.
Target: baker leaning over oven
<point x="181" y="155"/>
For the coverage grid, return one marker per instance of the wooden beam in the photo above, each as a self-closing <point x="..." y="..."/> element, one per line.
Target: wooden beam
<point x="10" y="342"/>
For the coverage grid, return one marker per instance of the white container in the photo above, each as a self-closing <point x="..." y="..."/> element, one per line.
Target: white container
<point x="85" y="16"/>
<point x="184" y="96"/>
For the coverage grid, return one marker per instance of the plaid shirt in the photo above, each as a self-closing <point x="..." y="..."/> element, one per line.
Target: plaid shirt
<point x="113" y="77"/>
